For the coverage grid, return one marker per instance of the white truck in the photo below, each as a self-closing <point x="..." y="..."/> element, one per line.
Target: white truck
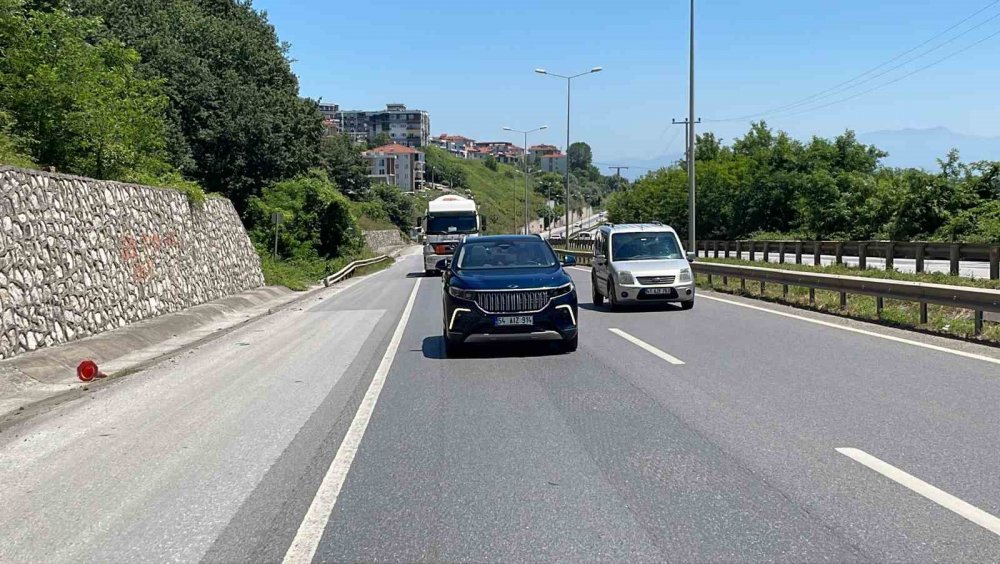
<point x="449" y="220"/>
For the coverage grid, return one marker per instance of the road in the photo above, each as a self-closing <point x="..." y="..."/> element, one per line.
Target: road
<point x="589" y="221"/>
<point x="702" y="435"/>
<point x="969" y="269"/>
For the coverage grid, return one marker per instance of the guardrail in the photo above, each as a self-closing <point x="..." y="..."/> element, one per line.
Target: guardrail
<point x="979" y="300"/>
<point x="348" y="270"/>
<point x="919" y="251"/>
<point x="574" y="244"/>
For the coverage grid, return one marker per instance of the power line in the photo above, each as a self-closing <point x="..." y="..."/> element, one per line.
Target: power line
<point x="897" y="79"/>
<point x="839" y="87"/>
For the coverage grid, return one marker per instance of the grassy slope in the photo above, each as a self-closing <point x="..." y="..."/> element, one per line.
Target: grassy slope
<point x="493" y="190"/>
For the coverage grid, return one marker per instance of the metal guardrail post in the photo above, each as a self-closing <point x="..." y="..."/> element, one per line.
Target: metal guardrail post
<point x="977" y="322"/>
<point x="954" y="257"/>
<point x="923" y="313"/>
<point x="715" y="247"/>
<point x="862" y="255"/>
<point x="920" y="253"/>
<point x="879" y="304"/>
<point x="739" y="250"/>
<point x="767" y="251"/>
<point x="839" y="252"/>
<point x="843" y="300"/>
<point x="753" y="251"/>
<point x="995" y="262"/>
<point x="798" y="252"/>
<point x="890" y="254"/>
<point x="743" y="285"/>
<point x="817" y="254"/>
<point x="781" y="252"/>
<point x="812" y="296"/>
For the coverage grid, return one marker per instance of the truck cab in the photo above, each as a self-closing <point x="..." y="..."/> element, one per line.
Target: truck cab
<point x="449" y="220"/>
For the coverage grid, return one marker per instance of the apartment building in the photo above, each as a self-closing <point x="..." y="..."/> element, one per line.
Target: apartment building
<point x="397" y="165"/>
<point x="458" y="145"/>
<point x="552" y="162"/>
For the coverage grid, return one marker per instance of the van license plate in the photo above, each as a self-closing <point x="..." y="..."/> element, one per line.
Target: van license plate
<point x="515" y="320"/>
<point x="658" y="291"/>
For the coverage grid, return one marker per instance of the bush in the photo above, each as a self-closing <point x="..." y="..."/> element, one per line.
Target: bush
<point x="317" y="221"/>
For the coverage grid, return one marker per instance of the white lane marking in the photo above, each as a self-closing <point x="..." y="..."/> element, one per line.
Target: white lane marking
<point x="942" y="498"/>
<point x="303" y="547"/>
<point x="648" y="347"/>
<point x="859" y="331"/>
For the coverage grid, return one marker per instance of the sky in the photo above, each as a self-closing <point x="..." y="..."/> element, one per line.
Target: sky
<point x="470" y="65"/>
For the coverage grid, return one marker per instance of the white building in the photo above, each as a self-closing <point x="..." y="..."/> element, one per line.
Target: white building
<point x="397" y="165"/>
<point x="553" y="163"/>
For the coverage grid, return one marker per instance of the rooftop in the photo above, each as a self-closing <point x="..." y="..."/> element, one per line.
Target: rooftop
<point x="393" y="149"/>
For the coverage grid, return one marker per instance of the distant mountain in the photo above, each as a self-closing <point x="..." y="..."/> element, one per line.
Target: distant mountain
<point x="922" y="147"/>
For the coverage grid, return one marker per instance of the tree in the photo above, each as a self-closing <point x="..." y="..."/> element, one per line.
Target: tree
<point x="343" y="163"/>
<point x="398" y="206"/>
<point x="78" y="103"/>
<point x="580" y="156"/>
<point x="317" y="222"/>
<point x="236" y="122"/>
<point x="381" y="139"/>
<point x="491" y="162"/>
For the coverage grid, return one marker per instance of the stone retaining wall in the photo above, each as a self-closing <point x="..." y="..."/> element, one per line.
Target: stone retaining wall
<point x="80" y="256"/>
<point x="379" y="241"/>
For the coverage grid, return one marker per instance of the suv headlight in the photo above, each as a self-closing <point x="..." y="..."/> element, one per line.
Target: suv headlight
<point x="561" y="290"/>
<point x="625" y="277"/>
<point x="685" y="275"/>
<point x="461" y="293"/>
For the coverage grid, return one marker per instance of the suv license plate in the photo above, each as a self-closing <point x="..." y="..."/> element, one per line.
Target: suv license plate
<point x="515" y="320"/>
<point x="658" y="291"/>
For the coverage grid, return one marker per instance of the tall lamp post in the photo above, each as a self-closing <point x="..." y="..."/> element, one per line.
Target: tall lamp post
<point x="524" y="158"/>
<point x="569" y="80"/>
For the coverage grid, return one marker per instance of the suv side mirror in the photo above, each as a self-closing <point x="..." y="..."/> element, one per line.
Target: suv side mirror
<point x="692" y="257"/>
<point x="569" y="260"/>
<point x="443" y="264"/>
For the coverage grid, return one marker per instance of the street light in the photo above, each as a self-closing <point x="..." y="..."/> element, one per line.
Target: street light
<point x="524" y="158"/>
<point x="569" y="80"/>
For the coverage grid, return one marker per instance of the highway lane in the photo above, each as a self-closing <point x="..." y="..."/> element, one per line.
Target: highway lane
<point x="516" y="453"/>
<point x="969" y="269"/>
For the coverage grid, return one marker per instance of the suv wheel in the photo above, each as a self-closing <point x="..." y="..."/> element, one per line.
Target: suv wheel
<point x="570" y="345"/>
<point x="452" y="349"/>
<point x="595" y="292"/>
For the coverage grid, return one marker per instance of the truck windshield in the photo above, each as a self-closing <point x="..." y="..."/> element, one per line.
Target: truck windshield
<point x="644" y="246"/>
<point x="514" y="253"/>
<point x="452" y="224"/>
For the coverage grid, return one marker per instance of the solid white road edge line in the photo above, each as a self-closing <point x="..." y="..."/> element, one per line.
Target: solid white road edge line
<point x="855" y="330"/>
<point x="942" y="498"/>
<point x="303" y="547"/>
<point x="648" y="347"/>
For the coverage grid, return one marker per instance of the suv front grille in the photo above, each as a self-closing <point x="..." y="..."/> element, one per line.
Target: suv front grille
<point x="512" y="302"/>
<point x="654" y="280"/>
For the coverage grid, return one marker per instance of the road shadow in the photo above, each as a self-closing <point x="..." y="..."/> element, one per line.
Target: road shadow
<point x="638" y="308"/>
<point x="421" y="274"/>
<point x="433" y="348"/>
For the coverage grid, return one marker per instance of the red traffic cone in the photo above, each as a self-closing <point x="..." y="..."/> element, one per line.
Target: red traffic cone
<point x="87" y="371"/>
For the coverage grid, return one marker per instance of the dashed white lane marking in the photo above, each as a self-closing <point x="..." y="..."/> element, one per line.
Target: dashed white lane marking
<point x="855" y="330"/>
<point x="942" y="498"/>
<point x="647" y="347"/>
<point x="303" y="547"/>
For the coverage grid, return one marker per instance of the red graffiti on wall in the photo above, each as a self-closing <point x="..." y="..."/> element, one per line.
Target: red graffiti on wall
<point x="140" y="252"/>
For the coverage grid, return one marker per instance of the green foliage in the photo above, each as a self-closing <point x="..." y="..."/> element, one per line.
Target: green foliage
<point x="343" y="163"/>
<point x="380" y="140"/>
<point x="491" y="162"/>
<point x="766" y="182"/>
<point x="317" y="221"/>
<point x="235" y="121"/>
<point x="11" y="152"/>
<point x="580" y="156"/>
<point x="76" y="100"/>
<point x="443" y="168"/>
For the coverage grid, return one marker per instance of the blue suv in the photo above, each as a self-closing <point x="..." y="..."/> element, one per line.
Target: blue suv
<point x="508" y="288"/>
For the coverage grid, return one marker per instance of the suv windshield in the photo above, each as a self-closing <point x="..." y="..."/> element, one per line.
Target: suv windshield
<point x="452" y="224"/>
<point x="644" y="246"/>
<point x="512" y="253"/>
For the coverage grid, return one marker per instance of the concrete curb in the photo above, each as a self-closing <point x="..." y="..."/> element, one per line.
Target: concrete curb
<point x="34" y="382"/>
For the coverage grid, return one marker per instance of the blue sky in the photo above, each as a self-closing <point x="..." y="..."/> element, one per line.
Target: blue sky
<point x="470" y="65"/>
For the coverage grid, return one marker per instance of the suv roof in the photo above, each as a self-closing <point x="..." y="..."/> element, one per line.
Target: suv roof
<point x="637" y="227"/>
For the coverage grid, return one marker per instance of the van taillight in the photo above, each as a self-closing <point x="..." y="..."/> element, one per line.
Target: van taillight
<point x="441" y="249"/>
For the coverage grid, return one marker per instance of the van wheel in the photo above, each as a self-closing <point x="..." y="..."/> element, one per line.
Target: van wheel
<point x="688" y="304"/>
<point x="612" y="296"/>
<point x="595" y="293"/>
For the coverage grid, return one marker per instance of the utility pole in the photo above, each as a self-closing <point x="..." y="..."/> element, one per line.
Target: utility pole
<point x="618" y="174"/>
<point x="692" y="218"/>
<point x="687" y="147"/>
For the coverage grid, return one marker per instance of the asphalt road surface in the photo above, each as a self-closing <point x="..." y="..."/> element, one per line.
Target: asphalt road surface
<point x="338" y="431"/>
